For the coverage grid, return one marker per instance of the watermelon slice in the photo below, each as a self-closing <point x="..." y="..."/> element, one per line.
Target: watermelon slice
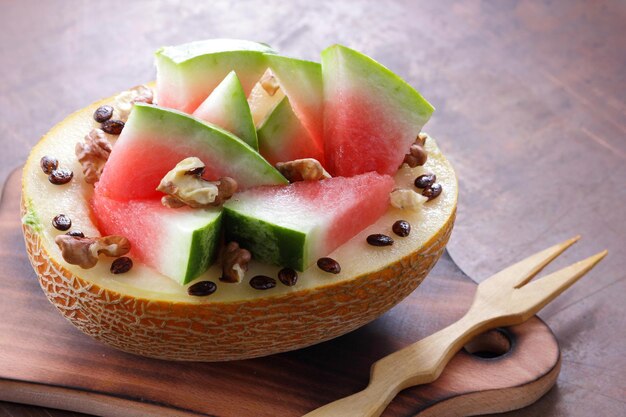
<point x="179" y="243"/>
<point x="282" y="137"/>
<point x="371" y="116"/>
<point x="294" y="225"/>
<point x="227" y="107"/>
<point x="155" y="139"/>
<point x="301" y="81"/>
<point x="188" y="73"/>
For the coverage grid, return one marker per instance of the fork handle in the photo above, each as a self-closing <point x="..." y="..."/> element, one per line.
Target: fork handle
<point x="419" y="363"/>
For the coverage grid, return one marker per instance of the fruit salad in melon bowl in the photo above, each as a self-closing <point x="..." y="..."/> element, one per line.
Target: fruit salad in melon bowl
<point x="244" y="204"/>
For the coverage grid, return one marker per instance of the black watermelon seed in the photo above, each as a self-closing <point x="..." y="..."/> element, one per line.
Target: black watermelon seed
<point x="288" y="276"/>
<point x="202" y="288"/>
<point x="432" y="192"/>
<point x="401" y="228"/>
<point x="425" y="181"/>
<point x="60" y="176"/>
<point x="262" y="282"/>
<point x="62" y="222"/>
<point x="121" y="265"/>
<point x="113" y="127"/>
<point x="378" y="239"/>
<point x="329" y="265"/>
<point x="103" y="113"/>
<point x="48" y="164"/>
<point x="75" y="233"/>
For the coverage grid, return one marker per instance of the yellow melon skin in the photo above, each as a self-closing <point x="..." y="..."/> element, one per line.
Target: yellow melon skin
<point x="236" y="330"/>
<point x="154" y="317"/>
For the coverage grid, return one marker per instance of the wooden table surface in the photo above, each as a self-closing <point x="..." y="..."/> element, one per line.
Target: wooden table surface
<point x="531" y="109"/>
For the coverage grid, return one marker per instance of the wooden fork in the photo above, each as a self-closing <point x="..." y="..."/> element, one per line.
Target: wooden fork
<point x="504" y="299"/>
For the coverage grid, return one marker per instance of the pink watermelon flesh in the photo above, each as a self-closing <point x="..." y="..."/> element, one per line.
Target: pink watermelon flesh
<point x="179" y="243"/>
<point x="294" y="225"/>
<point x="155" y="139"/>
<point x="371" y="116"/>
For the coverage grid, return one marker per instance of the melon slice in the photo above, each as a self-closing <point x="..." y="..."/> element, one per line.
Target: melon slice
<point x="295" y="225"/>
<point x="227" y="107"/>
<point x="179" y="243"/>
<point x="155" y="139"/>
<point x="301" y="81"/>
<point x="283" y="138"/>
<point x="188" y="73"/>
<point x="371" y="116"/>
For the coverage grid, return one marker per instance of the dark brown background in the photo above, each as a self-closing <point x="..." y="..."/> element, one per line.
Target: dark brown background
<point x="531" y="109"/>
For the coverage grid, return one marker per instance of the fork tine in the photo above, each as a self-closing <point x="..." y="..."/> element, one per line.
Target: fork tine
<point x="523" y="271"/>
<point x="545" y="289"/>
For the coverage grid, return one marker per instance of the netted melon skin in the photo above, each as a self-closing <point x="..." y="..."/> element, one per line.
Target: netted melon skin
<point x="213" y="332"/>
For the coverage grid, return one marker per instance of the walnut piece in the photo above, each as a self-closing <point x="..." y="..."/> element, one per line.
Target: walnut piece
<point x="185" y="186"/>
<point x="125" y="100"/>
<point x="407" y="199"/>
<point x="93" y="154"/>
<point x="84" y="251"/>
<point x="234" y="262"/>
<point x="417" y="155"/>
<point x="269" y="83"/>
<point x="307" y="169"/>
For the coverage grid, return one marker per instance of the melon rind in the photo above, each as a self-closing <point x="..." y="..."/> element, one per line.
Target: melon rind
<point x="227" y="107"/>
<point x="145" y="313"/>
<point x="188" y="73"/>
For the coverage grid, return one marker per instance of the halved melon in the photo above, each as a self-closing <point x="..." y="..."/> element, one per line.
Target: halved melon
<point x="146" y="313"/>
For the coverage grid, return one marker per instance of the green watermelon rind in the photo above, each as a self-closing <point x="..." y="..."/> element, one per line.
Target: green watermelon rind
<point x="208" y="49"/>
<point x="204" y="244"/>
<point x="228" y="144"/>
<point x="268" y="242"/>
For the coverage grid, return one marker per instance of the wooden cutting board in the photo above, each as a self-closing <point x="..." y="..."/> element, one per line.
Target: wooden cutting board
<point x="46" y="361"/>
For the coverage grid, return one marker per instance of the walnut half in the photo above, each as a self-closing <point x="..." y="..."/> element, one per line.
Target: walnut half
<point x="417" y="155"/>
<point x="406" y="199"/>
<point x="307" y="169"/>
<point x="84" y="251"/>
<point x="93" y="155"/>
<point x="125" y="100"/>
<point x="185" y="186"/>
<point x="234" y="262"/>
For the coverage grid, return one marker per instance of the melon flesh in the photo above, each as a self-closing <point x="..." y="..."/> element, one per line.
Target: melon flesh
<point x="188" y="73"/>
<point x="227" y="107"/>
<point x="179" y="243"/>
<point x="282" y="137"/>
<point x="301" y="81"/>
<point x="155" y="139"/>
<point x="294" y="225"/>
<point x="371" y="116"/>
